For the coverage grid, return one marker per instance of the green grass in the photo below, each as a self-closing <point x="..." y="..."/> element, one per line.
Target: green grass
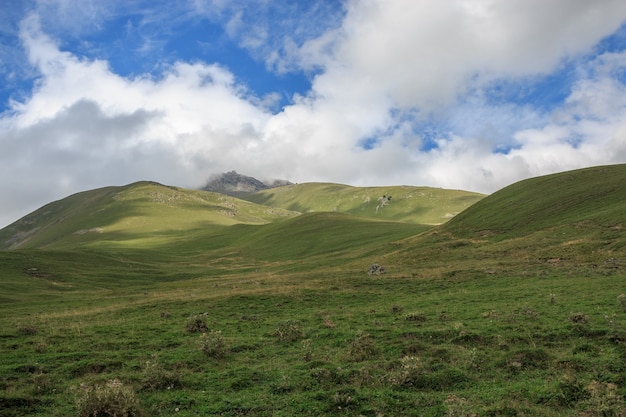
<point x="420" y="205"/>
<point x="142" y="214"/>
<point x="497" y="341"/>
<point x="470" y="318"/>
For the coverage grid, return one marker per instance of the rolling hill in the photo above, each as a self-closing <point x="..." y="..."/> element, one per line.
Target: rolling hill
<point x="419" y="205"/>
<point x="147" y="214"/>
<point x="138" y="213"/>
<point x="189" y="303"/>
<point x="573" y="218"/>
<point x="592" y="196"/>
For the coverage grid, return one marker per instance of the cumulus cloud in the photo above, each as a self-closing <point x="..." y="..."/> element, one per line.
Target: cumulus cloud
<point x="402" y="94"/>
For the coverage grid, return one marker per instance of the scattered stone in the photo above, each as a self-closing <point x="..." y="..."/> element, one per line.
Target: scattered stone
<point x="376" y="269"/>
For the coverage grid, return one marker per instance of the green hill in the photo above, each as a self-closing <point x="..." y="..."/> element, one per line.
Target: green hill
<point x="571" y="219"/>
<point x="592" y="196"/>
<point x="141" y="214"/>
<point x="418" y="205"/>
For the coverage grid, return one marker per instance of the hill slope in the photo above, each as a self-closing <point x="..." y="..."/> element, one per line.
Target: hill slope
<point x="143" y="210"/>
<point x="420" y="205"/>
<point x="593" y="195"/>
<point x="572" y="219"/>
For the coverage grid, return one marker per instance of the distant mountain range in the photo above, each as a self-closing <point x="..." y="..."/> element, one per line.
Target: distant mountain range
<point x="233" y="183"/>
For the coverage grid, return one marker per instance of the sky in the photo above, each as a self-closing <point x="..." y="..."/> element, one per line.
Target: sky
<point x="459" y="94"/>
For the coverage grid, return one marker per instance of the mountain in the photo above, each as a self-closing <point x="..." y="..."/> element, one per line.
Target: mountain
<point x="233" y="183"/>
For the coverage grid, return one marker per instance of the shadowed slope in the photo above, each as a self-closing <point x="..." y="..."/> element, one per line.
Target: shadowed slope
<point x="573" y="218"/>
<point x="596" y="195"/>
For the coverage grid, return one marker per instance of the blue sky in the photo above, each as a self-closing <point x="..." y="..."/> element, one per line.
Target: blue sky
<point x="465" y="94"/>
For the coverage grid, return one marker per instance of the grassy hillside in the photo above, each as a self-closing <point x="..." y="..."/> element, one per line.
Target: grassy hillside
<point x="419" y="205"/>
<point x="509" y="318"/>
<point x="141" y="214"/>
<point x="573" y="220"/>
<point x="593" y="195"/>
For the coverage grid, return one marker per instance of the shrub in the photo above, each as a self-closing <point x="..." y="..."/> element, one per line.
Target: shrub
<point x="457" y="406"/>
<point x="113" y="399"/>
<point x="288" y="331"/>
<point x="621" y="299"/>
<point x="605" y="400"/>
<point x="411" y="368"/>
<point x="396" y="309"/>
<point x="328" y="323"/>
<point x="362" y="347"/>
<point x="342" y="400"/>
<point x="196" y="324"/>
<point x="156" y="377"/>
<point x="570" y="391"/>
<point x="212" y="344"/>
<point x="418" y="317"/>
<point x="580" y="321"/>
<point x="307" y="350"/>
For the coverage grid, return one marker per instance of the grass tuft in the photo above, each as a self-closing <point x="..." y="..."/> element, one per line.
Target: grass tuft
<point x="213" y="345"/>
<point x="113" y="399"/>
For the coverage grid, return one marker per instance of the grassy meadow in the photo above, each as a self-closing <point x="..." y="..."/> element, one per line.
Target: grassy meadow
<point x="486" y="315"/>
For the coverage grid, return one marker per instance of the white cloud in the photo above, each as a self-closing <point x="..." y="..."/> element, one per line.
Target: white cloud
<point x="389" y="69"/>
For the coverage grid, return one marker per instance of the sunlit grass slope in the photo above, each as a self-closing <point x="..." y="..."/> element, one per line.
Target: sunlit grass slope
<point x="142" y="214"/>
<point x="421" y="205"/>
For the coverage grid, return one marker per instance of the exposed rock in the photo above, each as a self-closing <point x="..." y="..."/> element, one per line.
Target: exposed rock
<point x="376" y="269"/>
<point x="233" y="183"/>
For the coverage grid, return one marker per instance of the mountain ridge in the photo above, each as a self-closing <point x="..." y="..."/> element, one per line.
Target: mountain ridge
<point x="233" y="183"/>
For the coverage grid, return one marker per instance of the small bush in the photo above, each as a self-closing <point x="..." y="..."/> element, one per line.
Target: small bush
<point x="288" y="331"/>
<point x="417" y="317"/>
<point x="570" y="391"/>
<point x="307" y="350"/>
<point x="604" y="399"/>
<point x="362" y="347"/>
<point x="411" y="368"/>
<point x="579" y="318"/>
<point x="41" y="347"/>
<point x="580" y="321"/>
<point x="156" y="377"/>
<point x="621" y="299"/>
<point x="212" y="344"/>
<point x="42" y="383"/>
<point x="457" y="406"/>
<point x="196" y="324"/>
<point x="396" y="309"/>
<point x="342" y="400"/>
<point x="328" y="323"/>
<point x="113" y="399"/>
